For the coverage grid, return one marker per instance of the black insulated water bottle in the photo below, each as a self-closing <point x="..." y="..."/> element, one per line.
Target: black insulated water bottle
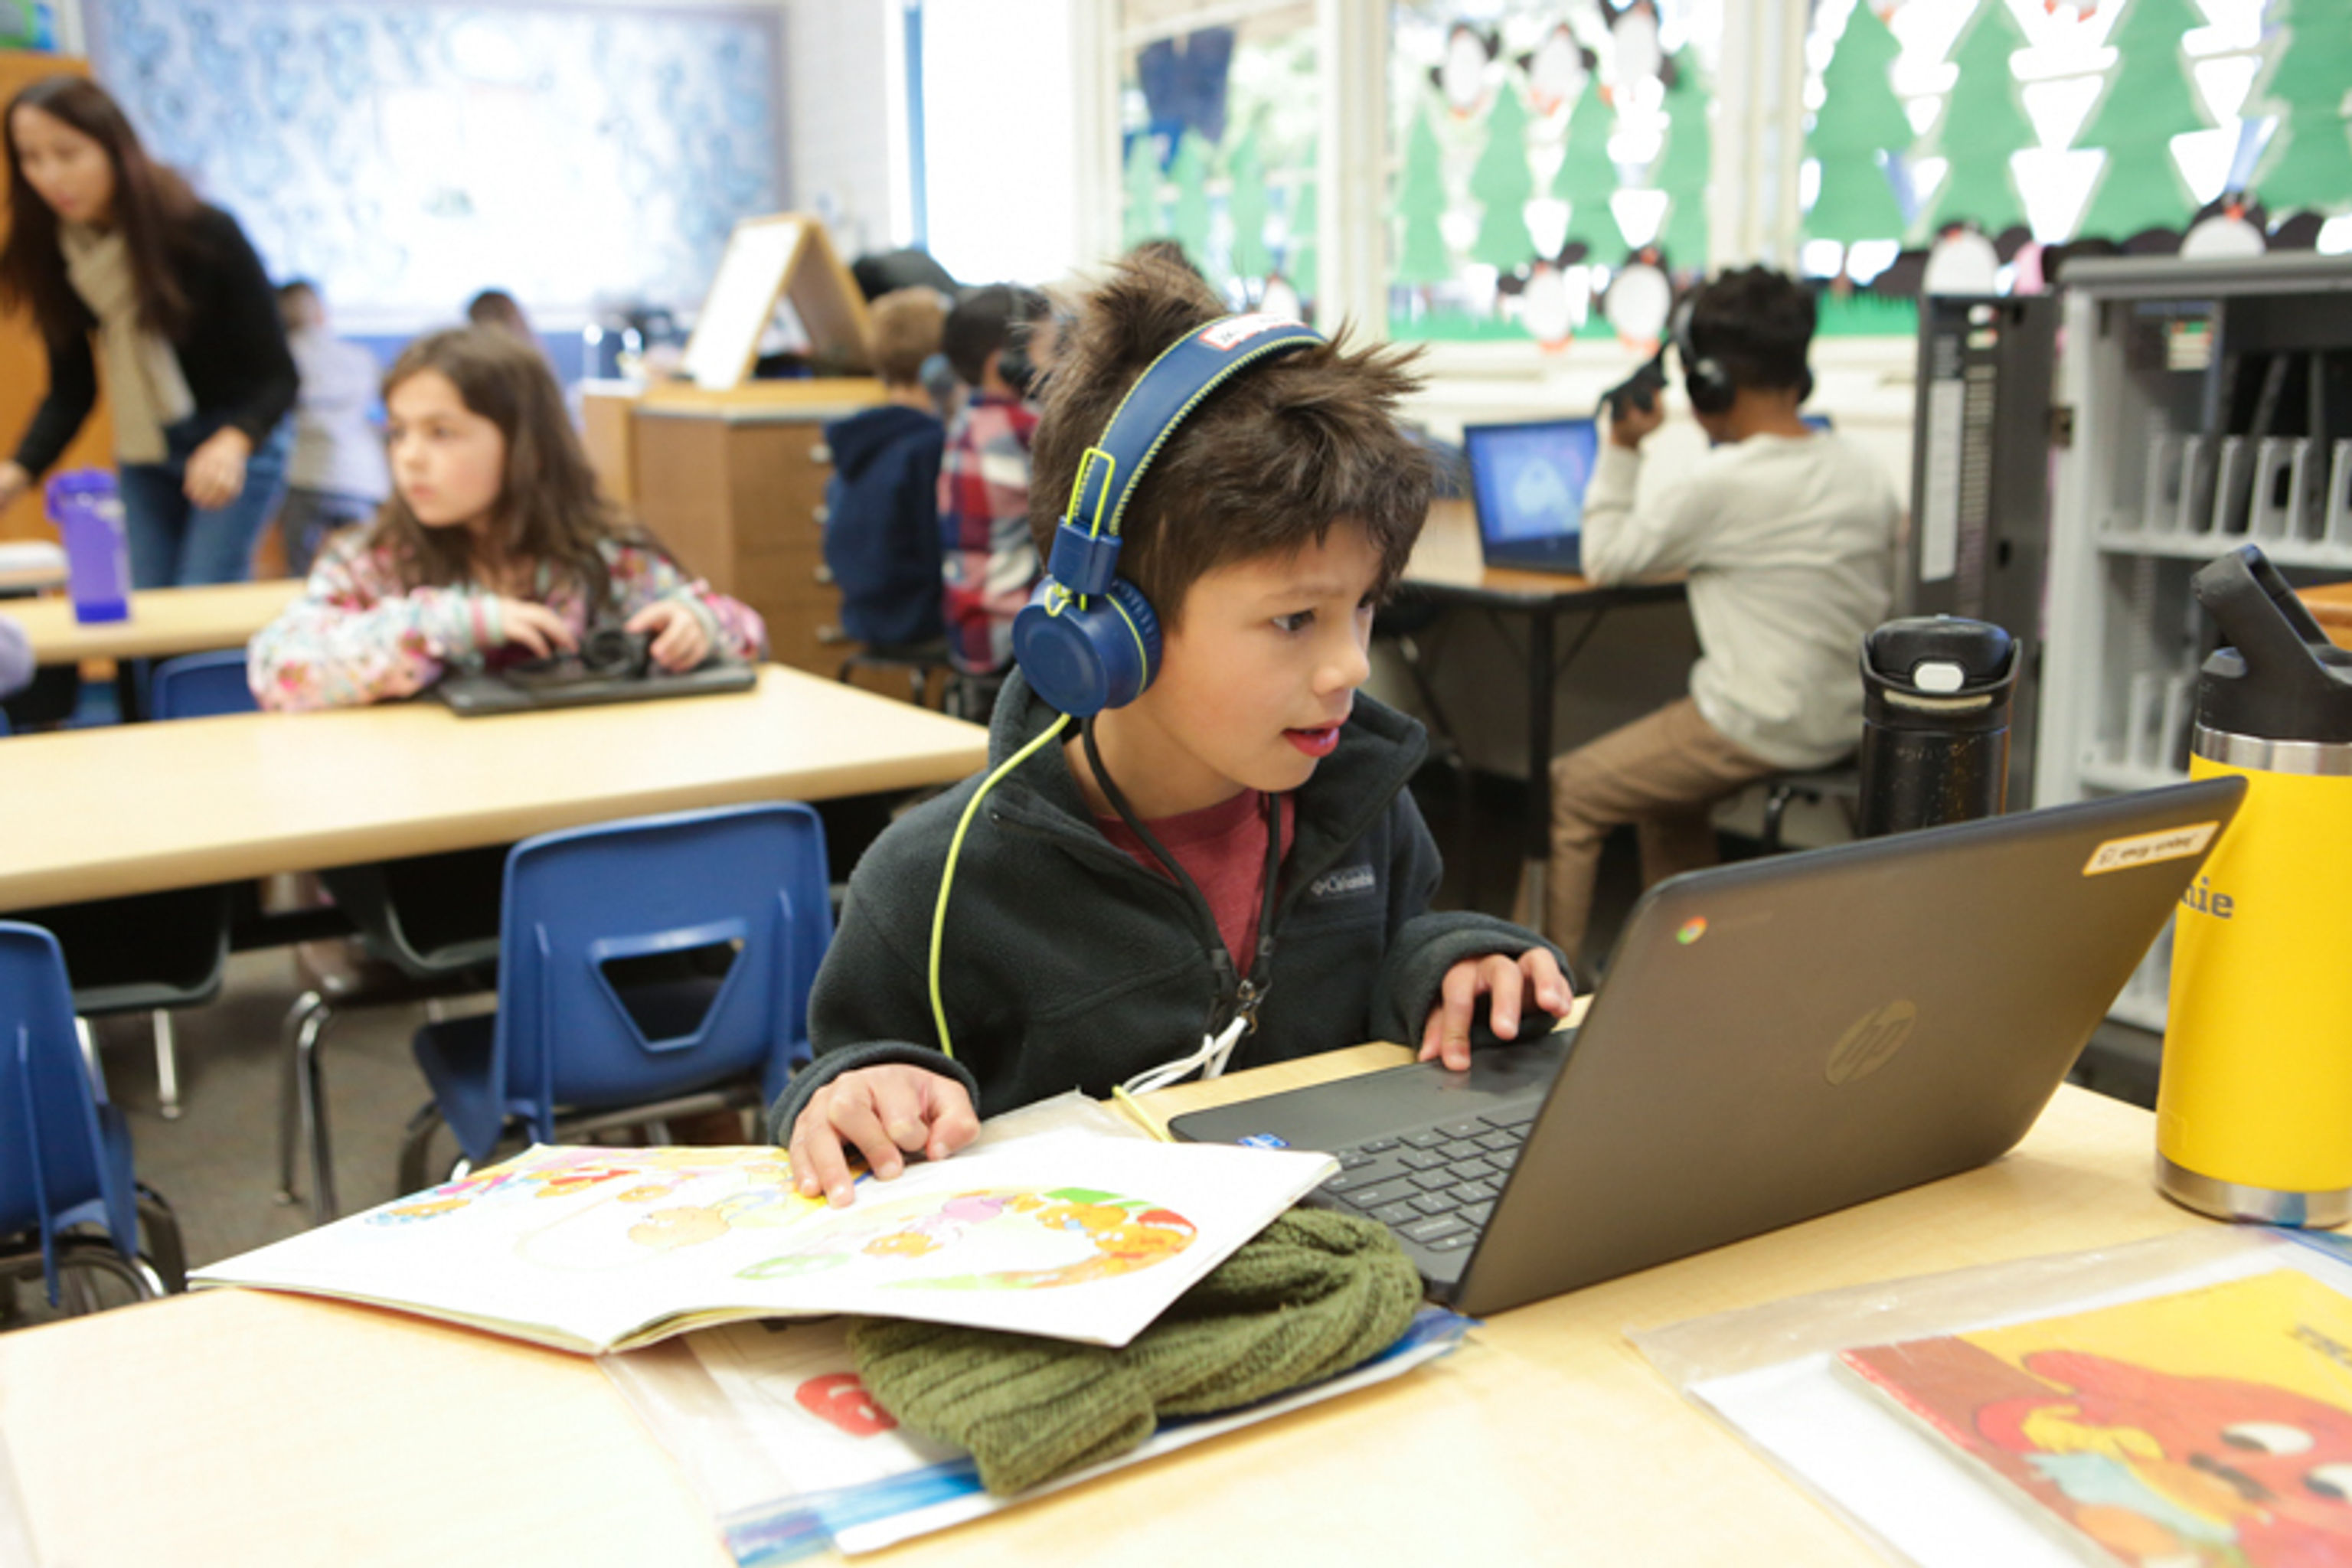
<point x="1934" y="725"/>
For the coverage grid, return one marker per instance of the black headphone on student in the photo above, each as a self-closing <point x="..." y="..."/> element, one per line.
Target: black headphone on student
<point x="1710" y="386"/>
<point x="1089" y="639"/>
<point x="1012" y="361"/>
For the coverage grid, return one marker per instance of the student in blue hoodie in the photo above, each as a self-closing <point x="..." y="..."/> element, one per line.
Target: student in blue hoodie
<point x="882" y="523"/>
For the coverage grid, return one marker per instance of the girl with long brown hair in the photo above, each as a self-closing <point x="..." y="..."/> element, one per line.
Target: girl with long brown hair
<point x="106" y="243"/>
<point x="495" y="546"/>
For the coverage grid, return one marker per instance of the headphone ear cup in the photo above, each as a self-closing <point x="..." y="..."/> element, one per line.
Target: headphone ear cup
<point x="1083" y="661"/>
<point x="1711" y="390"/>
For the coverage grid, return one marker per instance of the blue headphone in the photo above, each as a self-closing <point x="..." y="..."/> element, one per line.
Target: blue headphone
<point x="1087" y="639"/>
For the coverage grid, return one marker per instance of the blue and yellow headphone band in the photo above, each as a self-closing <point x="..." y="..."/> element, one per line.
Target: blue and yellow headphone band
<point x="1162" y="397"/>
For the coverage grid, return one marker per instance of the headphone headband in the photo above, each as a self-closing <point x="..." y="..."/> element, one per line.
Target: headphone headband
<point x="1089" y="639"/>
<point x="1171" y="386"/>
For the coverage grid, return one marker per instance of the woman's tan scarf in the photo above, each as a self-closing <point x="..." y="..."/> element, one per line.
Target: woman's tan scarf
<point x="143" y="382"/>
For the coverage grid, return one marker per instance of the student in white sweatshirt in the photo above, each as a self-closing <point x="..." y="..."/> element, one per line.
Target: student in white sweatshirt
<point x="338" y="476"/>
<point x="1787" y="535"/>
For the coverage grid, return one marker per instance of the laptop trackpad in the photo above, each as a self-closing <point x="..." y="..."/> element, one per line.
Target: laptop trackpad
<point x="1350" y="1110"/>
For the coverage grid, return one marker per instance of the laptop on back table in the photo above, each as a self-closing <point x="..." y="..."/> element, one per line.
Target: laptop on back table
<point x="1527" y="483"/>
<point x="1775" y="1039"/>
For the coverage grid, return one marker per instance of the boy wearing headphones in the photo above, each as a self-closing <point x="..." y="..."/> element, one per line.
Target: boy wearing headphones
<point x="1788" y="537"/>
<point x="1194" y="842"/>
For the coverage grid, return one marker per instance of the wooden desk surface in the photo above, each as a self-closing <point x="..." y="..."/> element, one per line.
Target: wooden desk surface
<point x="142" y="807"/>
<point x="276" y="1429"/>
<point x="1447" y="561"/>
<point x="164" y="622"/>
<point x="2331" y="607"/>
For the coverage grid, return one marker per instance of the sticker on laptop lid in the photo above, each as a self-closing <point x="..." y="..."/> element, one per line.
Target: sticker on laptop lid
<point x="2150" y="849"/>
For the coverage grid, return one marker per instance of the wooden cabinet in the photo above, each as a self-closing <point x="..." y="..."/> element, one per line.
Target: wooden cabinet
<point x="24" y="363"/>
<point x="734" y="482"/>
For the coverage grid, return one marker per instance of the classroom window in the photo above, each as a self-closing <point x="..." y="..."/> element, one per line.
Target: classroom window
<point x="1218" y="144"/>
<point x="2061" y="119"/>
<point x="1537" y="151"/>
<point x="998" y="169"/>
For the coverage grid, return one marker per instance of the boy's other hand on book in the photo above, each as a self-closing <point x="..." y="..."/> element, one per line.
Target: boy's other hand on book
<point x="884" y="1114"/>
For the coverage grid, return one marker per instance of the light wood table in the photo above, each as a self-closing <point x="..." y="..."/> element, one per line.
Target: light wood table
<point x="2331" y="607"/>
<point x="144" y="808"/>
<point x="272" y="1429"/>
<point x="164" y="621"/>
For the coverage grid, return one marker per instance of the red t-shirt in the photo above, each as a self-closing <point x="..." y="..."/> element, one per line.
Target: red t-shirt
<point x="1221" y="848"/>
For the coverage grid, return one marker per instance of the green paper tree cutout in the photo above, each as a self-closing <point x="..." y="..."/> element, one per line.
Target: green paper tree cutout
<point x="1189" y="223"/>
<point x="2312" y="166"/>
<point x="1420" y="203"/>
<point x="1586" y="179"/>
<point x="1141" y="221"/>
<point x="1860" y="119"/>
<point x="1983" y="124"/>
<point x="1246" y="206"/>
<point x="2148" y="103"/>
<point x="1298" y="261"/>
<point x="1501" y="183"/>
<point x="1683" y="170"/>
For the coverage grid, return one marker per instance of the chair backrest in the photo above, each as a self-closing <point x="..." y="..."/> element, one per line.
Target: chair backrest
<point x="199" y="685"/>
<point x="54" y="1168"/>
<point x="612" y="945"/>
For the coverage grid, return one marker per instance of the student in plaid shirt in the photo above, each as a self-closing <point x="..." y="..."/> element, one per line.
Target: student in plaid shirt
<point x="987" y="565"/>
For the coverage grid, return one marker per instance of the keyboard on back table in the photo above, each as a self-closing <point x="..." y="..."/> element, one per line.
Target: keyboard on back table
<point x="1434" y="1187"/>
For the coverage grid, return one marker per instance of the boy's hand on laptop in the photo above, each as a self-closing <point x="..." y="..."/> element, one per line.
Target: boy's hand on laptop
<point x="885" y="1113"/>
<point x="1509" y="982"/>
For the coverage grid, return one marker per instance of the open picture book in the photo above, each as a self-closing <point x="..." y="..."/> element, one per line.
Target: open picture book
<point x="2207" y="1426"/>
<point x="1070" y="1236"/>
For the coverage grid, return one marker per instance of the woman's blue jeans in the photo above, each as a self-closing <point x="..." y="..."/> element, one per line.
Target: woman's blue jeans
<point x="176" y="543"/>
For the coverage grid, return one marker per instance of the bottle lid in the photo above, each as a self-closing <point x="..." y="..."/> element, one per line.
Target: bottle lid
<point x="80" y="484"/>
<point x="1939" y="672"/>
<point x="2279" y="677"/>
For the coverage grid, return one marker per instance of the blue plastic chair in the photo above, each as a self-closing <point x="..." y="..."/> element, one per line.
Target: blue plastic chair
<point x="603" y="1019"/>
<point x="154" y="953"/>
<point x="65" y="1149"/>
<point x="200" y="686"/>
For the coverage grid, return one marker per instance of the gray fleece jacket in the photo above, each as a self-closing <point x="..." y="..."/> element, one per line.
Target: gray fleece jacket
<point x="1066" y="965"/>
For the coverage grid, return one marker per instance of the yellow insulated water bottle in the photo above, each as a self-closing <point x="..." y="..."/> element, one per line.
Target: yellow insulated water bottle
<point x="2253" y="1106"/>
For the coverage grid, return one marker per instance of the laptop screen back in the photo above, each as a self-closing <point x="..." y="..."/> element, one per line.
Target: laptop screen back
<point x="1529" y="479"/>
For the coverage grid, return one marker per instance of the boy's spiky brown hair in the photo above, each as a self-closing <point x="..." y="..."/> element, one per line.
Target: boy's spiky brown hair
<point x="1265" y="465"/>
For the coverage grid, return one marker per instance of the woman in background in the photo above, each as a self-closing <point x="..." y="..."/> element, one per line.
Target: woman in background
<point x="105" y="243"/>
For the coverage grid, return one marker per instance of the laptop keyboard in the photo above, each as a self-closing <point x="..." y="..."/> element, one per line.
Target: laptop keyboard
<point x="1434" y="1187"/>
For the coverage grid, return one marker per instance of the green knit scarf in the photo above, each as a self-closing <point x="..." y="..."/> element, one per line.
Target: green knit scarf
<point x="1311" y="1295"/>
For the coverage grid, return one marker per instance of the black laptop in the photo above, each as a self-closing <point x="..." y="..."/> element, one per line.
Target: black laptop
<point x="1527" y="482"/>
<point x="476" y="695"/>
<point x="1775" y="1040"/>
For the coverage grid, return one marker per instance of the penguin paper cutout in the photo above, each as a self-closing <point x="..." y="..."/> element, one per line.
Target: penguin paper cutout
<point x="1963" y="262"/>
<point x="1461" y="77"/>
<point x="2228" y="227"/>
<point x="1556" y="68"/>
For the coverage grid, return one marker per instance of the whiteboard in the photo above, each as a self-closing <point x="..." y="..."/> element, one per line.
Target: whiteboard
<point x="760" y="255"/>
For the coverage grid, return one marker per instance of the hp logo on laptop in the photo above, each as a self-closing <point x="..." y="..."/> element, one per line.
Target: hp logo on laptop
<point x="1870" y="1042"/>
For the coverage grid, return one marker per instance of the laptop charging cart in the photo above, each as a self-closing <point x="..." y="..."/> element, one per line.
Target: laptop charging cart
<point x="2209" y="404"/>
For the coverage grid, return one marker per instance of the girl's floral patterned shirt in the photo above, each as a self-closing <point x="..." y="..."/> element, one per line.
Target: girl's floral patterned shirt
<point x="357" y="635"/>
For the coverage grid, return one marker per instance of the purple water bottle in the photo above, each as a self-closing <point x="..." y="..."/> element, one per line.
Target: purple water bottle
<point x="87" y="510"/>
